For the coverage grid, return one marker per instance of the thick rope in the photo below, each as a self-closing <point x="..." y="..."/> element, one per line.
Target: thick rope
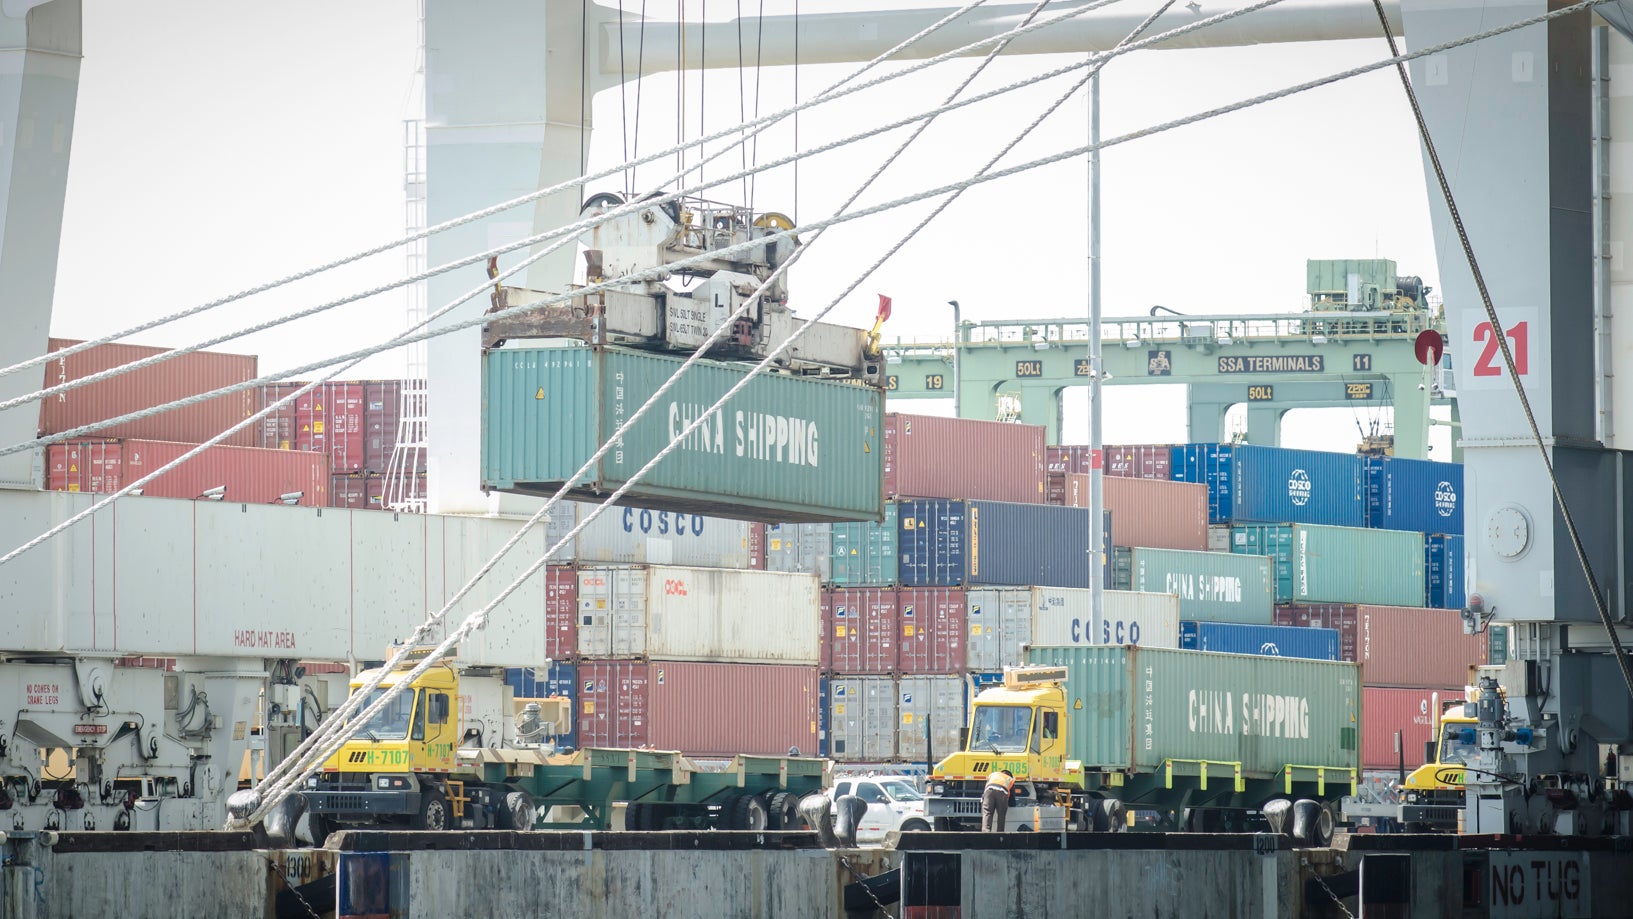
<point x="623" y="210"/>
<point x="307" y="761"/>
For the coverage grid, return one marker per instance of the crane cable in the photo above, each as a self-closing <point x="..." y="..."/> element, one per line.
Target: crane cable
<point x="492" y="562"/>
<point x="476" y="620"/>
<point x="742" y="310"/>
<point x="836" y="92"/>
<point x="888" y="205"/>
<point x="1598" y="593"/>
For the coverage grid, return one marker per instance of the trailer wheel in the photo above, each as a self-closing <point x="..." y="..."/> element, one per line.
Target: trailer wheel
<point x="433" y="814"/>
<point x="785" y="812"/>
<point x="516" y="812"/>
<point x="1109" y="816"/>
<point x="728" y="817"/>
<point x="751" y="814"/>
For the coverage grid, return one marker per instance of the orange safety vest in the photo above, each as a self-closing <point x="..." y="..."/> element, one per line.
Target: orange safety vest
<point x="1001" y="780"/>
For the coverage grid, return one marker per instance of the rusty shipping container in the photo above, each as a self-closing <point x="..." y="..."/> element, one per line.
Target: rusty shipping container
<point x="926" y="456"/>
<point x="250" y="475"/>
<point x="354" y="422"/>
<point x="612" y="704"/>
<point x="1139" y="461"/>
<point x="860" y="630"/>
<point x="1410" y="711"/>
<point x="1399" y="645"/>
<point x="933" y="625"/>
<point x="721" y="710"/>
<point x="177" y="378"/>
<point x="1150" y="512"/>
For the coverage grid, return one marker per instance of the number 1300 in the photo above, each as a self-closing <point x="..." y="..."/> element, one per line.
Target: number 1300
<point x="1488" y="365"/>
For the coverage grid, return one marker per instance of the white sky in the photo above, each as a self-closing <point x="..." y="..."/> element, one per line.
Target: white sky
<point x="218" y="146"/>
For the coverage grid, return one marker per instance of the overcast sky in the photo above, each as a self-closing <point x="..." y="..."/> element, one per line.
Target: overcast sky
<point x="218" y="146"/>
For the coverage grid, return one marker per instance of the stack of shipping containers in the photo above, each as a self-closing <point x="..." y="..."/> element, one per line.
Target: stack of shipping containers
<point x="353" y="422"/>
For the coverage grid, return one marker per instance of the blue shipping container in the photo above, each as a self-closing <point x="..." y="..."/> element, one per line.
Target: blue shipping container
<point x="1277" y="485"/>
<point x="1206" y="464"/>
<point x="1443" y="572"/>
<point x="1253" y="484"/>
<point x="947" y="543"/>
<point x="1268" y="640"/>
<point x="1420" y="496"/>
<point x="538" y="683"/>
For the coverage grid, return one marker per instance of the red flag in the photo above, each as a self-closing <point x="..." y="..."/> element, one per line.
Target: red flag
<point x="884" y="307"/>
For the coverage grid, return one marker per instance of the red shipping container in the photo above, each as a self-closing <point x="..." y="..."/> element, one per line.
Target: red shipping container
<point x="177" y="378"/>
<point x="1139" y="461"/>
<point x="932" y="457"/>
<point x="1152" y="513"/>
<point x="1399" y="645"/>
<point x="561" y="612"/>
<point x="756" y="546"/>
<point x="612" y="704"/>
<point x="720" y="710"/>
<point x="250" y="475"/>
<point x="859" y="628"/>
<point x="382" y="411"/>
<point x="1410" y="711"/>
<point x="1325" y="616"/>
<point x="350" y="491"/>
<point x="933" y="622"/>
<point x="361" y="491"/>
<point x="1067" y="460"/>
<point x="1055" y="490"/>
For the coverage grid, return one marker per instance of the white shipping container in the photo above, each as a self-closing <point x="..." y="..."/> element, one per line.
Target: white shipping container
<point x="700" y="614"/>
<point x="612" y="612"/>
<point x="1061" y="616"/>
<point x="1000" y="625"/>
<point x="1219" y="538"/>
<point x="637" y="536"/>
<point x="928" y="707"/>
<point x="800" y="548"/>
<point x="862" y="718"/>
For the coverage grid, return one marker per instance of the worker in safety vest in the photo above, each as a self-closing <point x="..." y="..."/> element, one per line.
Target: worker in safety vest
<point x="995" y="801"/>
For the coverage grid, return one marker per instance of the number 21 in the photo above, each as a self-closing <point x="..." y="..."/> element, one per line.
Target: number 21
<point x="1486" y="366"/>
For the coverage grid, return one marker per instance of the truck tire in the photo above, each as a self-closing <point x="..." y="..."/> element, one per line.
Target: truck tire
<point x="915" y="825"/>
<point x="1312" y="823"/>
<point x="319" y="827"/>
<point x="785" y="812"/>
<point x="433" y="813"/>
<point x="1109" y="816"/>
<point x="516" y="811"/>
<point x="751" y="813"/>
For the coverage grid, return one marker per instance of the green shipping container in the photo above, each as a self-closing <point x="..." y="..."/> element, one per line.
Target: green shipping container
<point x="784" y="449"/>
<point x="1339" y="564"/>
<point x="1132" y="708"/>
<point x="1212" y="586"/>
<point x="864" y="554"/>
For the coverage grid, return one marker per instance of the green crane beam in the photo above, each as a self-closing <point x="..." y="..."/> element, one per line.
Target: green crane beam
<point x="1272" y="363"/>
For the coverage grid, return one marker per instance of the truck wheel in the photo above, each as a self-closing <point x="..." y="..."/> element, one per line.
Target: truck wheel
<point x="433" y="814"/>
<point x="319" y="827"/>
<point x="1109" y="816"/>
<point x="516" y="811"/>
<point x="1312" y="823"/>
<point x="728" y="817"/>
<point x="915" y="826"/>
<point x="750" y="813"/>
<point x="785" y="812"/>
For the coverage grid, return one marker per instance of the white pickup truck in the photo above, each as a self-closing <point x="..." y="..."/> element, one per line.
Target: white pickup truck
<point x="893" y="801"/>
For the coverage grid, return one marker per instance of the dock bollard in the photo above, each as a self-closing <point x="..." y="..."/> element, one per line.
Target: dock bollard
<point x="815" y="810"/>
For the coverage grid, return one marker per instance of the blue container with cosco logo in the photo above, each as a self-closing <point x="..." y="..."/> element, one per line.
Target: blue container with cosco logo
<point x="1419" y="496"/>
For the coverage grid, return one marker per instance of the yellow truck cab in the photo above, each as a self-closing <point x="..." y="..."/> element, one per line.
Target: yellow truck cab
<point x="423" y="761"/>
<point x="1019" y="726"/>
